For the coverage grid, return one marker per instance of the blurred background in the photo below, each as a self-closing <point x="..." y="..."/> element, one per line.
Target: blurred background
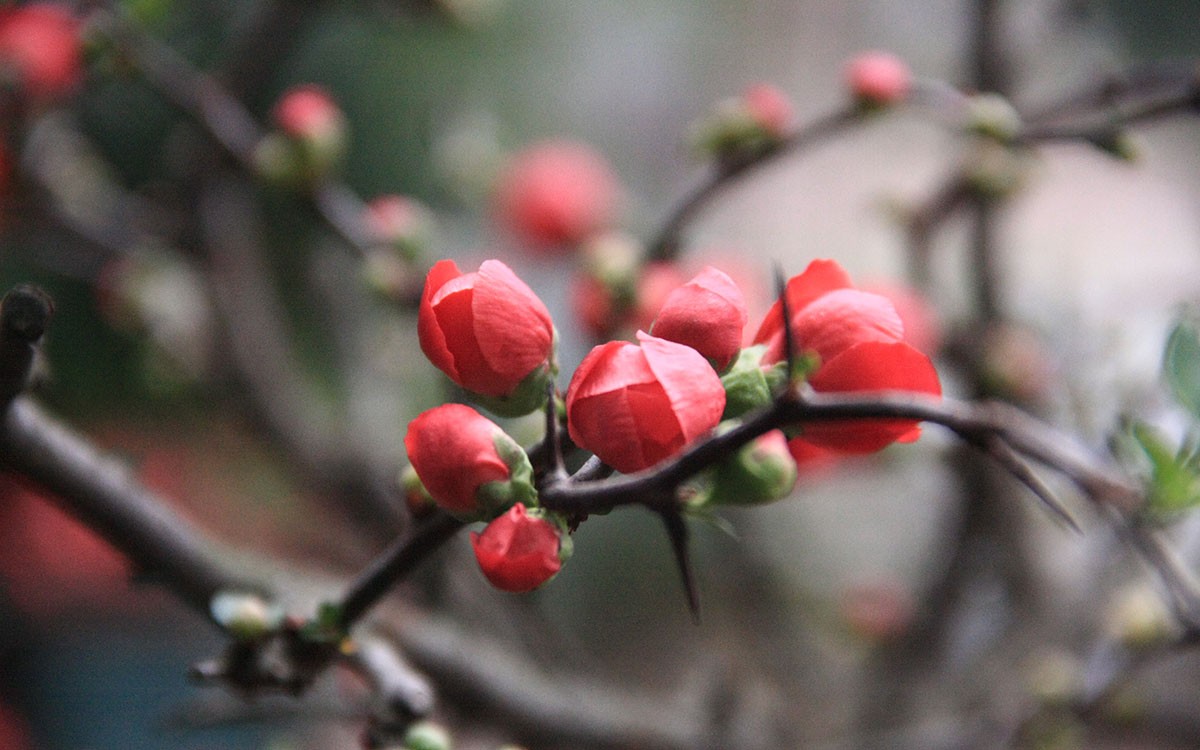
<point x="221" y="335"/>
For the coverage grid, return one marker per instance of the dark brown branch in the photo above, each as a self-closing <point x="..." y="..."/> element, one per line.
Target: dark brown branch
<point x="396" y="562"/>
<point x="976" y="423"/>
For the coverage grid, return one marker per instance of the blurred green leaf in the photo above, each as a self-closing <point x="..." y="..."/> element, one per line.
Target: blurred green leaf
<point x="1181" y="365"/>
<point x="1174" y="475"/>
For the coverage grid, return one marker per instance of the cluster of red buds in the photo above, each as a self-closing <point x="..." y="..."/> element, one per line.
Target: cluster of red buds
<point x="634" y="405"/>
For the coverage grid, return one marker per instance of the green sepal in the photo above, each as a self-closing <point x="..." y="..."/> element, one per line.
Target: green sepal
<point x="493" y="498"/>
<point x="746" y="384"/>
<point x="326" y="626"/>
<point x="530" y="393"/>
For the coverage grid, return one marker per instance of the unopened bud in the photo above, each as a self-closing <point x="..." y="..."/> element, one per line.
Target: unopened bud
<point x="762" y="471"/>
<point x="245" y="616"/>
<point x="426" y="735"/>
<point x="992" y="116"/>
<point x="1138" y="617"/>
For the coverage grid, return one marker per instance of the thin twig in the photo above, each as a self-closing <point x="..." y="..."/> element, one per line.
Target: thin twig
<point x="667" y="243"/>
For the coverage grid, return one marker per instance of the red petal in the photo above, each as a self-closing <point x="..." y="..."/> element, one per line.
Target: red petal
<point x="513" y="327"/>
<point x="429" y="332"/>
<point x="871" y="367"/>
<point x="696" y="394"/>
<point x="708" y="314"/>
<point x="517" y="552"/>
<point x="843" y="318"/>
<point x="452" y="448"/>
<point x="821" y="277"/>
<point x="454" y="307"/>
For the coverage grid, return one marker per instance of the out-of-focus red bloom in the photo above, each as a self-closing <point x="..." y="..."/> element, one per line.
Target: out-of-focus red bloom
<point x="40" y="49"/>
<point x="608" y="308"/>
<point x="859" y="338"/>
<point x="51" y="562"/>
<point x="769" y="108"/>
<point x="487" y="330"/>
<point x="452" y="448"/>
<point x="708" y="314"/>
<point x="398" y="220"/>
<point x="308" y="112"/>
<point x="555" y="194"/>
<point x="634" y="406"/>
<point x="878" y="78"/>
<point x="922" y="328"/>
<point x="518" y="552"/>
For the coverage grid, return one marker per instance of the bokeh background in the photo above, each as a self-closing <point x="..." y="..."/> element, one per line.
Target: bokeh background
<point x="801" y="600"/>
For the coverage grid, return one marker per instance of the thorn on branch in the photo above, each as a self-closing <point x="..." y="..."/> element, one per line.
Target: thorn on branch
<point x="678" y="534"/>
<point x="1022" y="472"/>
<point x="789" y="339"/>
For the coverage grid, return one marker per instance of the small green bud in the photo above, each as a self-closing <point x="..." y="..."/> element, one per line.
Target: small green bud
<point x="425" y="735"/>
<point x="995" y="170"/>
<point x="1138" y="617"/>
<point x="762" y="471"/>
<point x="992" y="116"/>
<point x="244" y="615"/>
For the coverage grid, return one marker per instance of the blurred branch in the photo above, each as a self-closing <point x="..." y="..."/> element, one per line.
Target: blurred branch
<point x="257" y="335"/>
<point x="102" y="492"/>
<point x="228" y="122"/>
<point x="666" y="245"/>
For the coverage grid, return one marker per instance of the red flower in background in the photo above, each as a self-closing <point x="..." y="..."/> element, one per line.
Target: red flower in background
<point x="878" y="78"/>
<point x="308" y="112"/>
<point x="859" y="338"/>
<point x="486" y="330"/>
<point x="770" y="108"/>
<point x="40" y="49"/>
<point x="518" y="552"/>
<point x="708" y="314"/>
<point x="555" y="194"/>
<point x="607" y="308"/>
<point x="634" y="406"/>
<point x="452" y="448"/>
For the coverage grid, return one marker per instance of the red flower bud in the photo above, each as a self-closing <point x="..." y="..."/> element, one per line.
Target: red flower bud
<point x="454" y="452"/>
<point x="769" y="108"/>
<point x="878" y="78"/>
<point x="554" y="194"/>
<point x="634" y="406"/>
<point x="40" y="49"/>
<point x="708" y="314"/>
<point x="860" y="341"/>
<point x="615" y="294"/>
<point x="486" y="330"/>
<point x="518" y="551"/>
<point x="308" y="112"/>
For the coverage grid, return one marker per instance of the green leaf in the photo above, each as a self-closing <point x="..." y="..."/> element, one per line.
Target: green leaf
<point x="1181" y="365"/>
<point x="1174" y="475"/>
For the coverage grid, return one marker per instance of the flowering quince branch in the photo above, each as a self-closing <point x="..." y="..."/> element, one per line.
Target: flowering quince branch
<point x="667" y="244"/>
<point x="227" y="121"/>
